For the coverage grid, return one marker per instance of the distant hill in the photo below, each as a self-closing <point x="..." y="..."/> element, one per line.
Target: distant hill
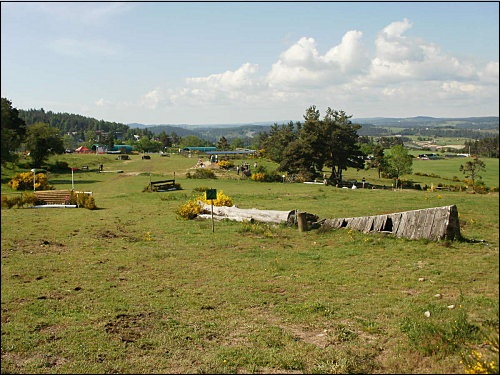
<point x="487" y="122"/>
<point x="473" y="123"/>
<point x="373" y="126"/>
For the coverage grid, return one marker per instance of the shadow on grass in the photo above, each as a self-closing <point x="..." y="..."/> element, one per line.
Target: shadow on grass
<point x="61" y="182"/>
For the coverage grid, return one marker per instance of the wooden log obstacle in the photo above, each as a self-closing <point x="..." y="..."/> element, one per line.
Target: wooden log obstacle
<point x="59" y="197"/>
<point x="53" y="196"/>
<point x="437" y="223"/>
<point x="162" y="185"/>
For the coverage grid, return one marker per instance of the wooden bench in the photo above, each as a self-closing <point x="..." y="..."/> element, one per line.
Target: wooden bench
<point x="53" y="196"/>
<point x="161" y="185"/>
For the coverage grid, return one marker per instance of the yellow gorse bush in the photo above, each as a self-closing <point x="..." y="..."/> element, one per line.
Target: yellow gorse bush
<point x="258" y="176"/>
<point x="476" y="362"/>
<point x="222" y="200"/>
<point x="24" y="181"/>
<point x="225" y="164"/>
<point x="192" y="208"/>
<point x="189" y="210"/>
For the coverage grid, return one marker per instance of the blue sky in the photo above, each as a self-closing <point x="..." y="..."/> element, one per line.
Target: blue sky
<point x="243" y="62"/>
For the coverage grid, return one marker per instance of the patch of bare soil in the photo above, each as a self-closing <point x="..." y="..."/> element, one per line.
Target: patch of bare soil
<point x="127" y="328"/>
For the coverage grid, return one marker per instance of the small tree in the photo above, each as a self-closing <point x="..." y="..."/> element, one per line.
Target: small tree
<point x="471" y="170"/>
<point x="223" y="144"/>
<point x="399" y="162"/>
<point x="378" y="161"/>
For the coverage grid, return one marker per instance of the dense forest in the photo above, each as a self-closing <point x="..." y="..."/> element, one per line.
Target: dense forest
<point x="70" y="123"/>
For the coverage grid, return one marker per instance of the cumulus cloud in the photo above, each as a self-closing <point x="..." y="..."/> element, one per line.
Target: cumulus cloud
<point x="303" y="65"/>
<point x="240" y="84"/>
<point x="229" y="80"/>
<point x="400" y="58"/>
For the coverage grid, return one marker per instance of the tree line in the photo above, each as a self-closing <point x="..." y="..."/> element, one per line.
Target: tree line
<point x="305" y="148"/>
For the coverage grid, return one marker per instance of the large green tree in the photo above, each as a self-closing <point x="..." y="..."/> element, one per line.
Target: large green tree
<point x="307" y="148"/>
<point x="329" y="142"/>
<point x="13" y="132"/>
<point x="275" y="142"/>
<point x="340" y="144"/>
<point x="42" y="141"/>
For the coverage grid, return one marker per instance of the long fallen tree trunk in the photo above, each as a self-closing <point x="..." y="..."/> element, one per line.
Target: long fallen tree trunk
<point x="238" y="214"/>
<point x="431" y="223"/>
<point x="435" y="223"/>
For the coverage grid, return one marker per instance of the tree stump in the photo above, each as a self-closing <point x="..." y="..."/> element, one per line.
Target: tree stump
<point x="302" y="221"/>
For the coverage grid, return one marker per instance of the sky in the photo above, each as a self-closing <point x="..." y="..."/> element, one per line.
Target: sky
<point x="247" y="62"/>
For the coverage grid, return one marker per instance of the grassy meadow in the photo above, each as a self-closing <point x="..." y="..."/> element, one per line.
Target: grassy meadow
<point x="132" y="288"/>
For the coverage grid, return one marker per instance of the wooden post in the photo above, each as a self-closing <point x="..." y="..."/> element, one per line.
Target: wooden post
<point x="302" y="221"/>
<point x="211" y="194"/>
<point x="212" y="206"/>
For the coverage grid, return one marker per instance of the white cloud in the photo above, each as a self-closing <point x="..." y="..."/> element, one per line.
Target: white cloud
<point x="229" y="80"/>
<point x="350" y="55"/>
<point x="399" y="58"/>
<point x="151" y="99"/>
<point x="403" y="76"/>
<point x="303" y="66"/>
<point x="225" y="87"/>
<point x="490" y="72"/>
<point x="100" y="102"/>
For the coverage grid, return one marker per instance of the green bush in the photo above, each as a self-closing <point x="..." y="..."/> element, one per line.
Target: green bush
<point x="202" y="173"/>
<point x="83" y="200"/>
<point x="61" y="166"/>
<point x="22" y="200"/>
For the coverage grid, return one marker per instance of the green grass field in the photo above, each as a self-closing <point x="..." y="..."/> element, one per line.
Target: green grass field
<point x="132" y="288"/>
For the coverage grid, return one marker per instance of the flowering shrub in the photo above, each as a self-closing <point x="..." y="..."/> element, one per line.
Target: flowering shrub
<point x="225" y="164"/>
<point x="258" y="176"/>
<point x="485" y="362"/>
<point x="191" y="208"/>
<point x="24" y="181"/>
<point x="222" y="200"/>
